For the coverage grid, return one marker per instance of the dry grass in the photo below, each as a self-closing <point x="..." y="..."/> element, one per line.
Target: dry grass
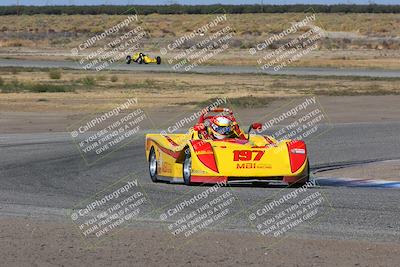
<point x="176" y="25"/>
<point x="62" y="31"/>
<point x="354" y="40"/>
<point x="174" y="89"/>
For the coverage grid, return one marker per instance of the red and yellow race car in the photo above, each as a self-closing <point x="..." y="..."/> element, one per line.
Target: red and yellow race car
<point x="141" y="58"/>
<point x="216" y="150"/>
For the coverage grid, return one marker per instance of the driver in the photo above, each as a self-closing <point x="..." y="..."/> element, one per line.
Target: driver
<point x="221" y="127"/>
<point x="138" y="57"/>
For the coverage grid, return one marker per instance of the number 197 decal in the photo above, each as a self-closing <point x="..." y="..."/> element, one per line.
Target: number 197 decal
<point x="247" y="155"/>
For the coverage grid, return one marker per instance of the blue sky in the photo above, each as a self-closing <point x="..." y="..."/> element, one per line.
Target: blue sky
<point x="189" y="2"/>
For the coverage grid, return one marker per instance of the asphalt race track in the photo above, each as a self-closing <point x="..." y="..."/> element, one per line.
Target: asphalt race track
<point x="209" y="69"/>
<point x="43" y="174"/>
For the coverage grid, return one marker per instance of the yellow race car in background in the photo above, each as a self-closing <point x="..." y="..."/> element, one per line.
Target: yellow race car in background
<point x="193" y="157"/>
<point x="141" y="58"/>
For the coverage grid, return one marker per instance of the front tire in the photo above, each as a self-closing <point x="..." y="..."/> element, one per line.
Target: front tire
<point x="128" y="59"/>
<point x="187" y="168"/>
<point x="153" y="165"/>
<point x="158" y="59"/>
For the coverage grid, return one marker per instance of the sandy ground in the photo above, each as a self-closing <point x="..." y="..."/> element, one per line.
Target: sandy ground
<point x="37" y="242"/>
<point x="340" y="109"/>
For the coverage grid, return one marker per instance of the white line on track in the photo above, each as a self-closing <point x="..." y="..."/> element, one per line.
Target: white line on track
<point x="351" y="182"/>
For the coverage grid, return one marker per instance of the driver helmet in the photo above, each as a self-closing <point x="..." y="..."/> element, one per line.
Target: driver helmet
<point x="221" y="127"/>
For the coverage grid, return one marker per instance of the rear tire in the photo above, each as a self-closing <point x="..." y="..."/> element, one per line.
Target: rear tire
<point x="187" y="168"/>
<point x="128" y="59"/>
<point x="153" y="165"/>
<point x="158" y="60"/>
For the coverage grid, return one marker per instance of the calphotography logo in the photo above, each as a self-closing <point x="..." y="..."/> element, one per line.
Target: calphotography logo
<point x="188" y="121"/>
<point x="196" y="212"/>
<point x="201" y="45"/>
<point x="301" y="119"/>
<point x="103" y="133"/>
<point x="110" y="209"/>
<point x="293" y="43"/>
<point x="113" y="30"/>
<point x="289" y="211"/>
<point x="112" y="45"/>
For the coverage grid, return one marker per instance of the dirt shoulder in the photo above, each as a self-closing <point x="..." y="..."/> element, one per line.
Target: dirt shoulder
<point x="37" y="242"/>
<point x="44" y="116"/>
<point x="33" y="100"/>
